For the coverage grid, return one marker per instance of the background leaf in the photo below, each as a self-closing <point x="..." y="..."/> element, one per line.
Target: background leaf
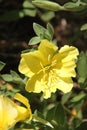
<point x="82" y="67"/>
<point x="2" y="65"/>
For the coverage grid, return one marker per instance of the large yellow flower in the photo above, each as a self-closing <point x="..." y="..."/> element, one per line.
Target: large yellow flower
<point x="11" y="113"/>
<point x="49" y="69"/>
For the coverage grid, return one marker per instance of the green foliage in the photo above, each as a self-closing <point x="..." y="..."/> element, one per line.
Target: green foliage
<point x="59" y="115"/>
<point x="84" y="27"/>
<point x="42" y="33"/>
<point x="38" y="117"/>
<point x="82" y="67"/>
<point x="75" y="6"/>
<point x="47" y="5"/>
<point x="2" y="64"/>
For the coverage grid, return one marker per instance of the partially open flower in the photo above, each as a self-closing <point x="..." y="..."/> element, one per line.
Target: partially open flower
<point x="11" y="113"/>
<point x="49" y="69"/>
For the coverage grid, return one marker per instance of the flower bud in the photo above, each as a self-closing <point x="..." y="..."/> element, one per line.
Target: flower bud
<point x="48" y="5"/>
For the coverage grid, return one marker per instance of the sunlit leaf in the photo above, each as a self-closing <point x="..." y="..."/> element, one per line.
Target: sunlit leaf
<point x="28" y="4"/>
<point x="7" y="77"/>
<point x="34" y="40"/>
<point x="47" y="16"/>
<point x="83" y="27"/>
<point x="38" y="29"/>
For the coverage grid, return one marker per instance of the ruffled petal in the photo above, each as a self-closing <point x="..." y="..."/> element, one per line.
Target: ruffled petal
<point x="65" y="61"/>
<point x="65" y="84"/>
<point x="47" y="49"/>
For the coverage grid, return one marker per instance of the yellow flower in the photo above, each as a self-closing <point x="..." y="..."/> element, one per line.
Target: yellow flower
<point x="49" y="69"/>
<point x="11" y="113"/>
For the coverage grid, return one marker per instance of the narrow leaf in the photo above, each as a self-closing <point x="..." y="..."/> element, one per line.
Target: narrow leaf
<point x="82" y="67"/>
<point x="2" y="64"/>
<point x="78" y="98"/>
<point x="38" y="117"/>
<point x="50" y="29"/>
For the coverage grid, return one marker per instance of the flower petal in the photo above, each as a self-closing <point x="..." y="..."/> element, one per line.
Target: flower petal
<point x="31" y="63"/>
<point x="23" y="68"/>
<point x="23" y="112"/>
<point x="8" y="113"/>
<point x="66" y="61"/>
<point x="47" y="49"/>
<point x="44" y="81"/>
<point x="65" y="84"/>
<point x="34" y="83"/>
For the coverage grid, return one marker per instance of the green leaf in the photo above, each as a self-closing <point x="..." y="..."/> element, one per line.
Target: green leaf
<point x="47" y="16"/>
<point x="14" y="74"/>
<point x="50" y="29"/>
<point x="28" y="4"/>
<point x="78" y="98"/>
<point x="34" y="40"/>
<point x="50" y="114"/>
<point x="38" y="117"/>
<point x="83" y="27"/>
<point x="16" y="78"/>
<point x="7" y="77"/>
<point x="82" y="67"/>
<point x="71" y="6"/>
<point x="59" y="115"/>
<point x="28" y="12"/>
<point x="48" y="5"/>
<point x="2" y="64"/>
<point x="47" y="35"/>
<point x="38" y="29"/>
<point x="65" y="97"/>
